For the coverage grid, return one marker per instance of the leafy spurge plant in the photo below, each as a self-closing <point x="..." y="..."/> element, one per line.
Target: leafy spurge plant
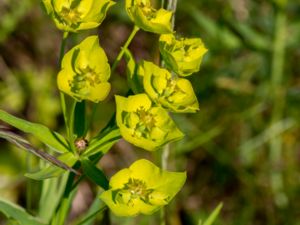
<point x="142" y="118"/>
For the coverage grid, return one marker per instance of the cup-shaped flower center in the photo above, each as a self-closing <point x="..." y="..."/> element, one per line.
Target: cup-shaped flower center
<point x="141" y="122"/>
<point x="132" y="191"/>
<point x="70" y="16"/>
<point x="147" y="9"/>
<point x="137" y="188"/>
<point x="84" y="79"/>
<point x="147" y="119"/>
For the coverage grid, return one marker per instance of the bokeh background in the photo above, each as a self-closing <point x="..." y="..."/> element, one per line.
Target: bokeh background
<point x="242" y="148"/>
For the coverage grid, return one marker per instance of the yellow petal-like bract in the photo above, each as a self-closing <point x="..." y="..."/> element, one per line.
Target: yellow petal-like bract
<point x="173" y="93"/>
<point x="142" y="188"/>
<point x="147" y="18"/>
<point x="144" y="125"/>
<point x="74" y="15"/>
<point x="184" y="55"/>
<point x="85" y="72"/>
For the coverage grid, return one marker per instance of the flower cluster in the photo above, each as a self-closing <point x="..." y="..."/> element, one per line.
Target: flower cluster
<point x="143" y="118"/>
<point x="139" y="120"/>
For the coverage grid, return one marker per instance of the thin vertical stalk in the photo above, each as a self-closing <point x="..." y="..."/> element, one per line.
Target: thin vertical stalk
<point x="172" y="6"/>
<point x="278" y="99"/>
<point x="121" y="53"/>
<point x="71" y="125"/>
<point x="62" y="96"/>
<point x="64" y="206"/>
<point x="29" y="182"/>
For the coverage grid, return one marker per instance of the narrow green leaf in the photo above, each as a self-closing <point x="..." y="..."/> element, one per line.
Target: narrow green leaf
<point x="212" y="217"/>
<point x="41" y="132"/>
<point x="52" y="191"/>
<point x="103" y="142"/>
<point x="11" y="210"/>
<point x="53" y="171"/>
<point x="94" y="173"/>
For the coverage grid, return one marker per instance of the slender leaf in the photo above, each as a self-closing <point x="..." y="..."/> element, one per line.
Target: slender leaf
<point x="41" y="132"/>
<point x="11" y="210"/>
<point x="94" y="173"/>
<point x="213" y="216"/>
<point x="52" y="191"/>
<point x="103" y="142"/>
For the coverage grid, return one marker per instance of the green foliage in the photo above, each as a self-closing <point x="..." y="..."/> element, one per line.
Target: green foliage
<point x="18" y="213"/>
<point x="94" y="173"/>
<point x="44" y="134"/>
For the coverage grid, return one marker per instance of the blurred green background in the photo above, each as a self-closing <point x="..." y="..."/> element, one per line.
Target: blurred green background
<point x="242" y="148"/>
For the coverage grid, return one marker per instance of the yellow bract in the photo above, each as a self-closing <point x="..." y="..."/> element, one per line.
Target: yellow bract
<point x="85" y="72"/>
<point x="74" y="15"/>
<point x="173" y="93"/>
<point x="142" y="124"/>
<point x="142" y="188"/>
<point x="147" y="18"/>
<point x="184" y="55"/>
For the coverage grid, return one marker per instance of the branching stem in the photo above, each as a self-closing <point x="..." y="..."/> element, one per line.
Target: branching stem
<point x="121" y="53"/>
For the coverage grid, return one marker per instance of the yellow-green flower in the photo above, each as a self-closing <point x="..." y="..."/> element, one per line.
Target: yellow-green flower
<point x="74" y="15"/>
<point x="142" y="188"/>
<point x="147" y="18"/>
<point x="173" y="93"/>
<point x="183" y="55"/>
<point x="85" y="72"/>
<point x="144" y="125"/>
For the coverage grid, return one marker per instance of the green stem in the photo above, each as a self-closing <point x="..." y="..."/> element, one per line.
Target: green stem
<point x="172" y="6"/>
<point x="62" y="47"/>
<point x="65" y="203"/>
<point x="121" y="53"/>
<point x="71" y="126"/>
<point x="91" y="117"/>
<point x="62" y="96"/>
<point x="278" y="99"/>
<point x="29" y="183"/>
